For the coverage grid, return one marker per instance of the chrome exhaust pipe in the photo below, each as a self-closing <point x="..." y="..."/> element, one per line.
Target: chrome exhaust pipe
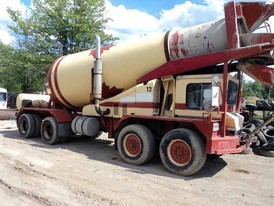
<point x="97" y="79"/>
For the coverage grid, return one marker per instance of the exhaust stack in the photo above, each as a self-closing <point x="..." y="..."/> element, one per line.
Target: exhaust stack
<point x="97" y="79"/>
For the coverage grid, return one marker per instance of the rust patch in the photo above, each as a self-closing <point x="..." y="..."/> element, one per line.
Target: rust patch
<point x="174" y="45"/>
<point x="105" y="48"/>
<point x="110" y="92"/>
<point x="184" y="51"/>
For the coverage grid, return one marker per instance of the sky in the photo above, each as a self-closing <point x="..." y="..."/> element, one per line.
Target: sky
<point x="150" y="6"/>
<point x="133" y="19"/>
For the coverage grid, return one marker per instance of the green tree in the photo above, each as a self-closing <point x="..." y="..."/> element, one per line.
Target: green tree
<point x="63" y="26"/>
<point x="253" y="88"/>
<point x="6" y="52"/>
<point x="52" y="28"/>
<point x="18" y="70"/>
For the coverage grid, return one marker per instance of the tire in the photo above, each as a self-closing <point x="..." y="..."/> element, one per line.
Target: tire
<point x="256" y="122"/>
<point x="245" y="115"/>
<point x="49" y="131"/>
<point x="267" y="104"/>
<point x="26" y="125"/>
<point x="136" y="144"/>
<point x="182" y="152"/>
<point x="38" y="122"/>
<point x="250" y="127"/>
<point x="260" y="104"/>
<point x="269" y="146"/>
<point x="269" y="133"/>
<point x="268" y="127"/>
<point x="251" y="107"/>
<point x="261" y="137"/>
<point x="271" y="102"/>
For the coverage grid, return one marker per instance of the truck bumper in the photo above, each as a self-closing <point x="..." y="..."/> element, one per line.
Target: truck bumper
<point x="224" y="145"/>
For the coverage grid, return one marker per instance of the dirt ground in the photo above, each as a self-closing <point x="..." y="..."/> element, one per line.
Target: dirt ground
<point x="83" y="171"/>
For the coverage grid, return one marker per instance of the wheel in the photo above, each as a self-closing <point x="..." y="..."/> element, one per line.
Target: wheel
<point x="182" y="152"/>
<point x="136" y="144"/>
<point x="49" y="131"/>
<point x="38" y="122"/>
<point x="26" y="125"/>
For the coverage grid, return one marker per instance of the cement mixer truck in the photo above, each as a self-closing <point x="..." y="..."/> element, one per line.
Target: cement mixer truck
<point x="178" y="94"/>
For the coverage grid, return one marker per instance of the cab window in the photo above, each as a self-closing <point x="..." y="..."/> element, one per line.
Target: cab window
<point x="198" y="95"/>
<point x="232" y="92"/>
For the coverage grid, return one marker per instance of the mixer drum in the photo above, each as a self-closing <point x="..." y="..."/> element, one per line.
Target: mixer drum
<point x="69" y="78"/>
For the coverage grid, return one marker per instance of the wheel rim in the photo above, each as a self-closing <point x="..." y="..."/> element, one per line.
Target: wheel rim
<point x="47" y="131"/>
<point x="179" y="152"/>
<point x="132" y="145"/>
<point x="23" y="125"/>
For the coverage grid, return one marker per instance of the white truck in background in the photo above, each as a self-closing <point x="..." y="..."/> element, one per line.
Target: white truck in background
<point x="3" y="98"/>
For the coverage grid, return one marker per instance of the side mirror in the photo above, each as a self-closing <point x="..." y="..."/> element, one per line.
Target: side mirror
<point x="215" y="96"/>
